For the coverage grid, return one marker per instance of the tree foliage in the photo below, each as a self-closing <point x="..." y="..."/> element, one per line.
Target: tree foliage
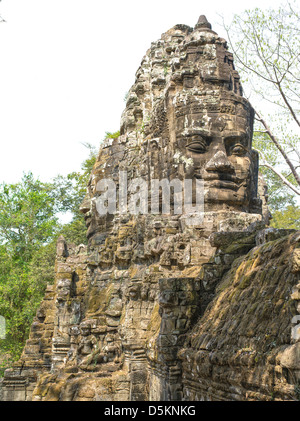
<point x="29" y="227"/>
<point x="27" y="216"/>
<point x="266" y="46"/>
<point x="70" y="192"/>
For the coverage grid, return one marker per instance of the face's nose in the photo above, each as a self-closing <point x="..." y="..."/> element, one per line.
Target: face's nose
<point x="219" y="163"/>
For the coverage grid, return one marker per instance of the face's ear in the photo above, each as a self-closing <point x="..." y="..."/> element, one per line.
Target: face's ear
<point x="255" y="202"/>
<point x="255" y="165"/>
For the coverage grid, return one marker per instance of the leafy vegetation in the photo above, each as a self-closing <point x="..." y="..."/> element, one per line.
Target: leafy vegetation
<point x="112" y="135"/>
<point x="29" y="227"/>
<point x="282" y="201"/>
<point x="266" y="47"/>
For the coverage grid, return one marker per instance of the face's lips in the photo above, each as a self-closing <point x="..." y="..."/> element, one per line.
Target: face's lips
<point x="221" y="184"/>
<point x="219" y="180"/>
<point x="210" y="176"/>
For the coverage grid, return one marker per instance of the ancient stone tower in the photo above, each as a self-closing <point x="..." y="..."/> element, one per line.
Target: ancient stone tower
<point x="195" y="304"/>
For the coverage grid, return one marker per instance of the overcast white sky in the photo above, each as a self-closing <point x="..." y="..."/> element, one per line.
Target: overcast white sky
<point x="66" y="66"/>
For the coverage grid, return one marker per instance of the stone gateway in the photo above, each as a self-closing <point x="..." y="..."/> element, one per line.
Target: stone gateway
<point x="156" y="308"/>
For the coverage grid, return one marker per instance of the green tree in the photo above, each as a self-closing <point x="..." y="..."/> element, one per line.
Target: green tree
<point x="280" y="197"/>
<point x="112" y="135"/>
<point x="288" y="218"/>
<point x="266" y="46"/>
<point x="28" y="225"/>
<point x="70" y="192"/>
<point x="27" y="216"/>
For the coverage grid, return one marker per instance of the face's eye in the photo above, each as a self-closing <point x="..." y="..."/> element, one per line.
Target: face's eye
<point x="238" y="150"/>
<point x="198" y="145"/>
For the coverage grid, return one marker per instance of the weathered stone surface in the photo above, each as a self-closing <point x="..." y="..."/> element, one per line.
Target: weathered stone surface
<point x="172" y="305"/>
<point x="245" y="346"/>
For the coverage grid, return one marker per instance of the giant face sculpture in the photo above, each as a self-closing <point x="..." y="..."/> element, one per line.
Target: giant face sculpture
<point x="186" y="102"/>
<point x="219" y="147"/>
<point x="213" y="122"/>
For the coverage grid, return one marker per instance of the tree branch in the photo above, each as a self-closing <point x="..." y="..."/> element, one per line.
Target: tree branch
<point x="287" y="102"/>
<point x="278" y="146"/>
<point x="281" y="176"/>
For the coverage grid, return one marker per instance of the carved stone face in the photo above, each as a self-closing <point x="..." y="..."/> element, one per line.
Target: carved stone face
<point x="186" y="119"/>
<point x="218" y="149"/>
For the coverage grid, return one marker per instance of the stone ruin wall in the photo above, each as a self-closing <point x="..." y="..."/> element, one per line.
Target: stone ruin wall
<point x="154" y="308"/>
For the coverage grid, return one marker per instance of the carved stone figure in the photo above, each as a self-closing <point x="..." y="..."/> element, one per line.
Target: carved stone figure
<point x="147" y="282"/>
